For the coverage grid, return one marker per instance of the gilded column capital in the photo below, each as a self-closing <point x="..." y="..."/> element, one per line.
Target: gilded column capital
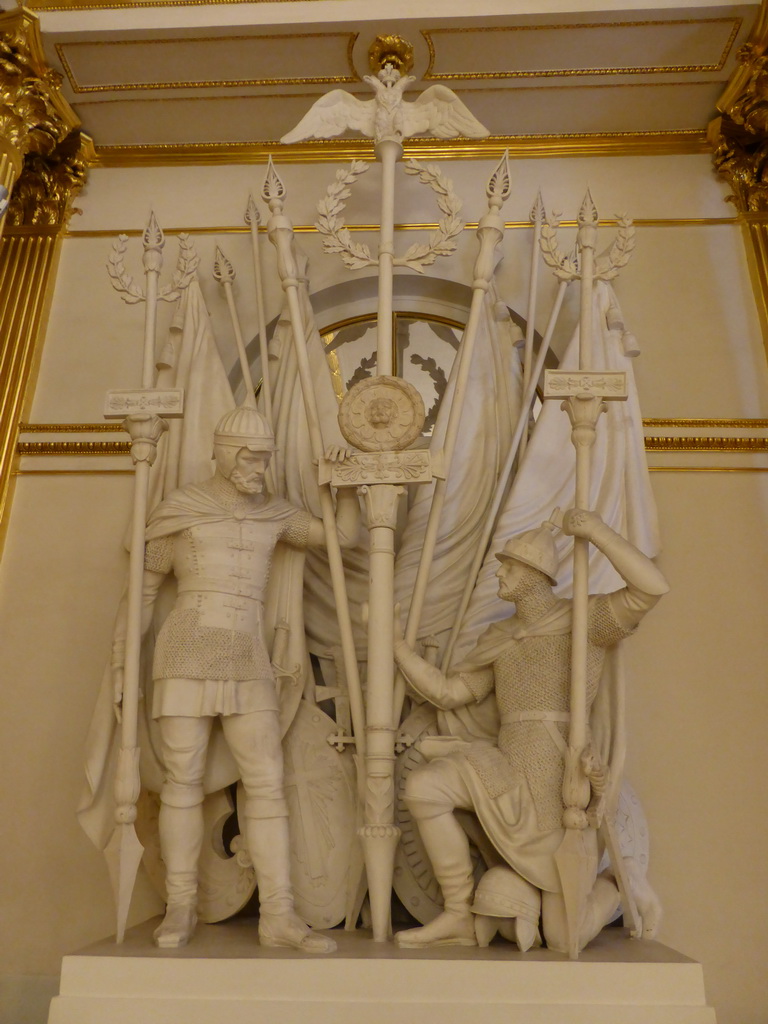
<point x="42" y="150"/>
<point x="48" y="185"/>
<point x="739" y="136"/>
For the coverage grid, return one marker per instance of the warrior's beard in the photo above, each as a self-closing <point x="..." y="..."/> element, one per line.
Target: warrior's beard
<point x="251" y="483"/>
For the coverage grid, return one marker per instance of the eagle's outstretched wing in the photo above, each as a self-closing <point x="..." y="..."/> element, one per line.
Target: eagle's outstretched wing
<point x="332" y="115"/>
<point x="438" y="111"/>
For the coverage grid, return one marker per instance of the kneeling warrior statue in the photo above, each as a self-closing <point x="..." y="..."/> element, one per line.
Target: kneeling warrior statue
<point x="515" y="785"/>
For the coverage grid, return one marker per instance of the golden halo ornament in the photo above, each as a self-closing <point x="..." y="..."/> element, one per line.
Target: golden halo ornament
<point x="390" y="50"/>
<point x="382" y="414"/>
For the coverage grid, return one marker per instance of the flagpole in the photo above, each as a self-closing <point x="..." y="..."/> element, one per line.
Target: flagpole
<point x="504" y="476"/>
<point x="537" y="216"/>
<point x="280" y="231"/>
<point x="144" y="412"/>
<point x="224" y="273"/>
<point x="253" y="220"/>
<point x="490" y="231"/>
<point x="585" y="392"/>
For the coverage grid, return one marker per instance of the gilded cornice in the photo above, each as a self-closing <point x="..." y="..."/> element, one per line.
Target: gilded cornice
<point x="39" y="131"/>
<point x="739" y="136"/>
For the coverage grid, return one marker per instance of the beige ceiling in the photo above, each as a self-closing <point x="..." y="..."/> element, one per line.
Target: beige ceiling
<point x="144" y="80"/>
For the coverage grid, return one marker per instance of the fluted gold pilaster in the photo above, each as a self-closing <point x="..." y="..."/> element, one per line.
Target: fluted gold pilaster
<point x="755" y="231"/>
<point x="739" y="141"/>
<point x="10" y="169"/>
<point x="43" y="163"/>
<point x="27" y="264"/>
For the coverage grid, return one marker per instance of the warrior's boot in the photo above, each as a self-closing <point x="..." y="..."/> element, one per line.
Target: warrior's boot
<point x="448" y="849"/>
<point x="648" y="903"/>
<point x="279" y="924"/>
<point x="181" y="838"/>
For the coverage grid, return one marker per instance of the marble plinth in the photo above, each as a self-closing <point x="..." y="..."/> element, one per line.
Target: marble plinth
<point x="224" y="977"/>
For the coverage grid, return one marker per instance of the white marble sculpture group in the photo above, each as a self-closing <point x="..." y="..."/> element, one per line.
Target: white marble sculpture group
<point x="497" y="771"/>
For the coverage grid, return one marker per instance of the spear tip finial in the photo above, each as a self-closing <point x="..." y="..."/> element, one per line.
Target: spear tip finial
<point x="537" y="210"/>
<point x="252" y="215"/>
<point x="153" y="234"/>
<point x="500" y="182"/>
<point x="588" y="210"/>
<point x="273" y="188"/>
<point x="223" y="271"/>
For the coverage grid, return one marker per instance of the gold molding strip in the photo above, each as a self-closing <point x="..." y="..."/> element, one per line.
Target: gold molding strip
<point x="73" y="448"/>
<point x="72" y="472"/>
<point x="348" y="79"/>
<point x="360" y="93"/>
<point x="95" y="471"/>
<point x="708" y="469"/>
<point x="116" y="428"/>
<point x="736" y="424"/>
<point x="308" y="229"/>
<point x="656" y="143"/>
<point x="652" y="444"/>
<point x="70" y="428"/>
<point x="706" y="444"/>
<point x="574" y="72"/>
<point x="117" y="5"/>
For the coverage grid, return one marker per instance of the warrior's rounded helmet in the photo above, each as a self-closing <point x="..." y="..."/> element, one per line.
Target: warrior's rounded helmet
<point x="245" y="427"/>
<point x="535" y="548"/>
<point x="501" y="898"/>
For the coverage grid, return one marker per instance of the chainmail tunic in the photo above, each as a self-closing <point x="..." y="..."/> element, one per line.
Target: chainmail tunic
<point x="210" y="656"/>
<point x="533" y="675"/>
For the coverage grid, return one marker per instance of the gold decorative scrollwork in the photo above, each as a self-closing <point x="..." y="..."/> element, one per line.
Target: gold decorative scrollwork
<point x="42" y="148"/>
<point x="47" y="187"/>
<point x="739" y="136"/>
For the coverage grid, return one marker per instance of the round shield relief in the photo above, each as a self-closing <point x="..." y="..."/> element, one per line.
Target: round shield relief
<point x="382" y="414"/>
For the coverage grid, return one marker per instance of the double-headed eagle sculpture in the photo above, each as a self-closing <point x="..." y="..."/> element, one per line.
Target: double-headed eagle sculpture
<point x="437" y="111"/>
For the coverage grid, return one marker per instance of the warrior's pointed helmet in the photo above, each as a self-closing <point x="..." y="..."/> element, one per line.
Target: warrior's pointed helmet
<point x="535" y="548"/>
<point x="245" y="427"/>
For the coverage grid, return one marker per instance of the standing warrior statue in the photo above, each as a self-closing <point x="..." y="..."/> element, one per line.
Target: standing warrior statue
<point x="218" y="539"/>
<point x="515" y="786"/>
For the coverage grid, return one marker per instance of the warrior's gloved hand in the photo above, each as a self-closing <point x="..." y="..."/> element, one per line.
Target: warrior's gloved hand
<point x="117" y="662"/>
<point x="338" y="453"/>
<point x="577" y="522"/>
<point x="117" y="691"/>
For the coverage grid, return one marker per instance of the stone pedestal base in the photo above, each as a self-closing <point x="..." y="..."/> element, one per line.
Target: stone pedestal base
<point x="224" y="977"/>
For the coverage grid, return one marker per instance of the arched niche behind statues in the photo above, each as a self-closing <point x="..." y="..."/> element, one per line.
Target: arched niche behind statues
<point x="428" y="319"/>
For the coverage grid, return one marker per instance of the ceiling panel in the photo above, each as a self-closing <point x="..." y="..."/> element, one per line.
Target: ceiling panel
<point x="136" y="80"/>
<point x="635" y="47"/>
<point x="210" y="61"/>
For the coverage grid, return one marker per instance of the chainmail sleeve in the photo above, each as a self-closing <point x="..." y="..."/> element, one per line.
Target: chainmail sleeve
<point x="295" y="531"/>
<point x="605" y="627"/>
<point x="479" y="684"/>
<point x="158" y="555"/>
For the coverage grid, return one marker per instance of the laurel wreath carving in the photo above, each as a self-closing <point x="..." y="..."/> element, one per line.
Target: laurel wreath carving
<point x="438" y="377"/>
<point x="607" y="264"/>
<point x="130" y="292"/>
<point x="330" y="223"/>
<point x="565" y="268"/>
<point x="337" y="237"/>
<point x="449" y="226"/>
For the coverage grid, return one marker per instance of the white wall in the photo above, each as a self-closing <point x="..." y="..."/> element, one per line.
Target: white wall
<point x="698" y="710"/>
